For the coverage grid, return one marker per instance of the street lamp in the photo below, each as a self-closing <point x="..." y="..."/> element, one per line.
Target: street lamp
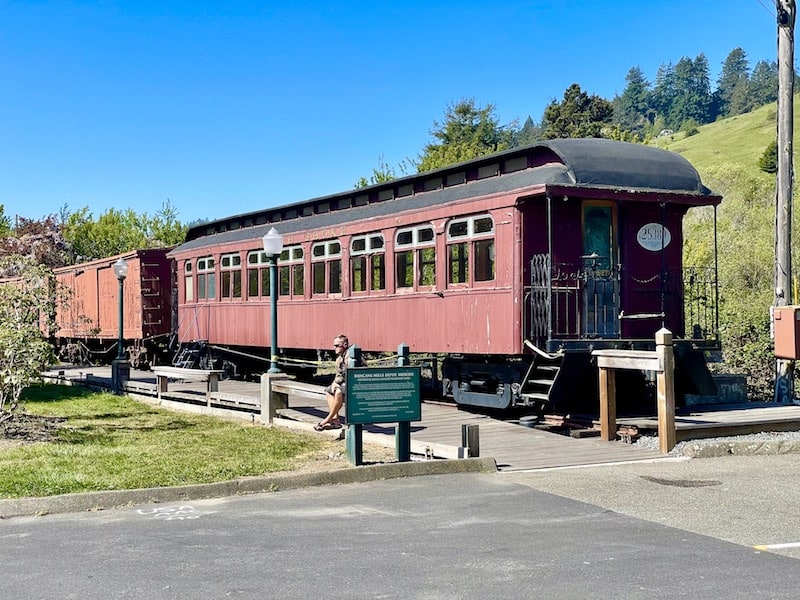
<point x="120" y="370"/>
<point x="273" y="245"/>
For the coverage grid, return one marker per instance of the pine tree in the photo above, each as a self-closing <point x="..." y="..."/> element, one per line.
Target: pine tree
<point x="733" y="86"/>
<point x="467" y="132"/>
<point x="632" y="108"/>
<point x="764" y="83"/>
<point x="578" y="115"/>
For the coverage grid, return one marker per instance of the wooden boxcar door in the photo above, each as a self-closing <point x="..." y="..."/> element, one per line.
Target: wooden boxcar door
<point x="600" y="273"/>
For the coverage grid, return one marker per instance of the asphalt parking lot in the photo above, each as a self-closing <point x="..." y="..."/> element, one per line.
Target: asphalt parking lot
<point x="748" y="500"/>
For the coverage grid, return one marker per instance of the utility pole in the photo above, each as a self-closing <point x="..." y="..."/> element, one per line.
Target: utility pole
<point x="784" y="369"/>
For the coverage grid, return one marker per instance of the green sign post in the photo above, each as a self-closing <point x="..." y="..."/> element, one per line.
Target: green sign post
<point x="382" y="395"/>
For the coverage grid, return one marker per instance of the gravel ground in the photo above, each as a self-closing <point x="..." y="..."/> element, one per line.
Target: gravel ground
<point x="752" y="439"/>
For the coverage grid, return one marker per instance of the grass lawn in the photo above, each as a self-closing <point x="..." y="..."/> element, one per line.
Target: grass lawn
<point x="70" y="439"/>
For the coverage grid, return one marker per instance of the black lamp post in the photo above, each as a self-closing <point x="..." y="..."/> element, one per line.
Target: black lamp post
<point x="273" y="246"/>
<point x="120" y="370"/>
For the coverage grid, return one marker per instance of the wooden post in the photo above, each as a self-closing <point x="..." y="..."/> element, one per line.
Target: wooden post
<point x="608" y="404"/>
<point x="665" y="385"/>
<point x="470" y="439"/>
<point x="786" y="11"/>
<point x="402" y="432"/>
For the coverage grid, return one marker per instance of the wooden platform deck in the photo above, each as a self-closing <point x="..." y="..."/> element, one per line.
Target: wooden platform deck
<point x="724" y="420"/>
<point x="513" y="446"/>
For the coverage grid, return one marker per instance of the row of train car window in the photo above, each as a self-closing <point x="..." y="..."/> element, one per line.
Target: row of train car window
<point x="470" y="251"/>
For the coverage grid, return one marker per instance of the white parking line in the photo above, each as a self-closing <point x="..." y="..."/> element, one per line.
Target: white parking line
<point x="777" y="546"/>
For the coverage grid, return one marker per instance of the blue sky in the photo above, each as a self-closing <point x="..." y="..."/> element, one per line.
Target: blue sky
<point x="228" y="107"/>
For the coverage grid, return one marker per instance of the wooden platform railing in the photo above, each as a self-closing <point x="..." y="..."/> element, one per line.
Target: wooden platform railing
<point x="662" y="361"/>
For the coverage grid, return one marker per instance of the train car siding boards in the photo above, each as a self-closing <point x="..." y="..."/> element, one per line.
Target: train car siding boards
<point x="91" y="315"/>
<point x="536" y="198"/>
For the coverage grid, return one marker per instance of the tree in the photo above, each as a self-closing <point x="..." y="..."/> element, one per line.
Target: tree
<point x="578" y="115"/>
<point x="769" y="160"/>
<point x="528" y="134"/>
<point x="5" y="222"/>
<point x="117" y="231"/>
<point x="40" y="242"/>
<point x="632" y="109"/>
<point x="692" y="98"/>
<point x="466" y="132"/>
<point x="733" y="85"/>
<point x="24" y="349"/>
<point x="381" y="174"/>
<point x="764" y="83"/>
<point x="663" y="97"/>
<point x="164" y="228"/>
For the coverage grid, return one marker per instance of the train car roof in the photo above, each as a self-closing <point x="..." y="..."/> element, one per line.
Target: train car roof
<point x="108" y="261"/>
<point x="585" y="167"/>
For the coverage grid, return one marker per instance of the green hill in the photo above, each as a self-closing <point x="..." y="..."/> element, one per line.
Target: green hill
<point x="739" y="141"/>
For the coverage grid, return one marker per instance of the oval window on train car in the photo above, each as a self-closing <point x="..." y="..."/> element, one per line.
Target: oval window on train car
<point x="470" y="240"/>
<point x="326" y="268"/>
<point x="367" y="263"/>
<point x="415" y="253"/>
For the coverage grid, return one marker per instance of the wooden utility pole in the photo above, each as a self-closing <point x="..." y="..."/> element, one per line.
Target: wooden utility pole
<point x="784" y="369"/>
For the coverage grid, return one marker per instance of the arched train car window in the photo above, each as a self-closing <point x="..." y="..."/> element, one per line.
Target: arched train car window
<point x="188" y="282"/>
<point x="230" y="272"/>
<point x="367" y="263"/>
<point x="206" y="278"/>
<point x="470" y="240"/>
<point x="326" y="267"/>
<point x="292" y="272"/>
<point x="415" y="253"/>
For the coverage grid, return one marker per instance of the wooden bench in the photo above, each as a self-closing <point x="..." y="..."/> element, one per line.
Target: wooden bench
<point x="164" y="374"/>
<point x="276" y="389"/>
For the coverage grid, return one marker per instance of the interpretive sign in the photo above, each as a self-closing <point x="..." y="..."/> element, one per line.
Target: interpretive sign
<point x="383" y="395"/>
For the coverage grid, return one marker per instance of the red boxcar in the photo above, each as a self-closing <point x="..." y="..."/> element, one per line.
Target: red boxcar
<point x="508" y="264"/>
<point x="88" y="323"/>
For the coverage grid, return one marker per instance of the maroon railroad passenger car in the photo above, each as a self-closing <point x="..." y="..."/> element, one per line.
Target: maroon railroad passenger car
<point x="511" y="266"/>
<point x="88" y="322"/>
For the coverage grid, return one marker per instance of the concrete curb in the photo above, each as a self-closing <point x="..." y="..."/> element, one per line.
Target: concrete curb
<point x="741" y="448"/>
<point x="90" y="501"/>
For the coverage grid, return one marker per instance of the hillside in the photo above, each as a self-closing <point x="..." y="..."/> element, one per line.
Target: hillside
<point x="737" y="141"/>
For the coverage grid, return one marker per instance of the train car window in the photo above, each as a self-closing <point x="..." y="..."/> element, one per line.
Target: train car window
<point x="470" y="240"/>
<point x="292" y="272"/>
<point x="326" y="267"/>
<point x="206" y="278"/>
<point x="230" y="267"/>
<point x="257" y="274"/>
<point x="188" y="282"/>
<point x="415" y="254"/>
<point x="367" y="264"/>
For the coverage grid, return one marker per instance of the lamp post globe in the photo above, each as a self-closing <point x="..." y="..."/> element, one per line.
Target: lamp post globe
<point x="273" y="246"/>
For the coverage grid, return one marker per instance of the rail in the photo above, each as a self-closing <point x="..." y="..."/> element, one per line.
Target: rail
<point x="662" y="361"/>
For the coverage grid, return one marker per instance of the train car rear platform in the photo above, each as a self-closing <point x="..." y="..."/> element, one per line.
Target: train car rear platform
<point x="438" y="434"/>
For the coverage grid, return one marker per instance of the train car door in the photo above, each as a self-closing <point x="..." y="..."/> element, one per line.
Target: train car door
<point x="600" y="271"/>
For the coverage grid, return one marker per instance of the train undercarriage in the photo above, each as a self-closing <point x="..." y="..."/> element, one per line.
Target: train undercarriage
<point x="565" y="382"/>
